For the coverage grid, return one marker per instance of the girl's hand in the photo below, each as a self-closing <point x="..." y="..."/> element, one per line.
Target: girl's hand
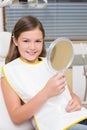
<point x="55" y="85"/>
<point x="73" y="105"/>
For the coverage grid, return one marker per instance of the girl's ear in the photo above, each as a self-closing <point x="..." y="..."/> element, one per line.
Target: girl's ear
<point x="15" y="41"/>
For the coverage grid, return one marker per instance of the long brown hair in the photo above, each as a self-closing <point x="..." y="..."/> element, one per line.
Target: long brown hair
<point x="26" y="23"/>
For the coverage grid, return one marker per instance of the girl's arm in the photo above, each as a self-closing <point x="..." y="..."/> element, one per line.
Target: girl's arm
<point x="74" y="104"/>
<point x="20" y="113"/>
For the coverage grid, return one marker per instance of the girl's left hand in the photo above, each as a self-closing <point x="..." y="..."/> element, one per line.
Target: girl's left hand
<point x="73" y="105"/>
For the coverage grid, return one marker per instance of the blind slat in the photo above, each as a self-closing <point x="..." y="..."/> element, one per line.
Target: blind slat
<point x="59" y="19"/>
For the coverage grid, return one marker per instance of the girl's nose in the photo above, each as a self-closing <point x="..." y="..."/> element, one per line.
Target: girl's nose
<point x="32" y="45"/>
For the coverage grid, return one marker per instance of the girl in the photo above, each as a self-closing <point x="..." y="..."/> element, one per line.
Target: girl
<point x="27" y="84"/>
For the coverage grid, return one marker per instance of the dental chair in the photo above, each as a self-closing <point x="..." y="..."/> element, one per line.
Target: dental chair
<point x="4" y="45"/>
<point x="80" y="83"/>
<point x="5" y="121"/>
<point x="79" y="71"/>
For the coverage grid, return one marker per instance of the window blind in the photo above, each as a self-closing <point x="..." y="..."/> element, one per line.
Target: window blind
<point x="59" y="19"/>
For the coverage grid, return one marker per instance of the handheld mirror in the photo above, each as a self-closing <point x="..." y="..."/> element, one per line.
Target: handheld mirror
<point x="59" y="57"/>
<point x="60" y="54"/>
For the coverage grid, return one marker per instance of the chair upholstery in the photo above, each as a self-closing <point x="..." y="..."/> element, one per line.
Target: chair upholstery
<point x="4" y="45"/>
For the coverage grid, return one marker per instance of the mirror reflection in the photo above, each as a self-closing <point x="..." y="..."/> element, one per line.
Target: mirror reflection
<point x="60" y="54"/>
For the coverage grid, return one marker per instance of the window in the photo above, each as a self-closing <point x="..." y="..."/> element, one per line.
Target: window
<point x="59" y="19"/>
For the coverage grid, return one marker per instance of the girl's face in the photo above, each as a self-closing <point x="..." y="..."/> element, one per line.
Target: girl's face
<point x="30" y="44"/>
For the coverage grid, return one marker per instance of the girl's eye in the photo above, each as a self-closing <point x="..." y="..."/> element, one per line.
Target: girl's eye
<point x="25" y="41"/>
<point x="28" y="42"/>
<point x="38" y="41"/>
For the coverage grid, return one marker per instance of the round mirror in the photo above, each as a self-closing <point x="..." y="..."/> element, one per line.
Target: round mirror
<point x="60" y="54"/>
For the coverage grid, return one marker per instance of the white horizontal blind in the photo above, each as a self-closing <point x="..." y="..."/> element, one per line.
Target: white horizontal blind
<point x="59" y="19"/>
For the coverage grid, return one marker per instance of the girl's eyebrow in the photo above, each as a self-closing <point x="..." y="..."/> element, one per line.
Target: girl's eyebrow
<point x="30" y="39"/>
<point x="40" y="39"/>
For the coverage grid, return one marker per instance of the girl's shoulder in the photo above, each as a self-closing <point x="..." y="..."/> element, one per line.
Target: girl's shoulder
<point x="12" y="63"/>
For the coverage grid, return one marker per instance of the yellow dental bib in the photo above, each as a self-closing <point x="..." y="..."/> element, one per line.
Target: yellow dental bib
<point x="27" y="80"/>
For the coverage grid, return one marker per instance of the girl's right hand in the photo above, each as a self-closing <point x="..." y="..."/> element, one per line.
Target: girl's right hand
<point x="55" y="85"/>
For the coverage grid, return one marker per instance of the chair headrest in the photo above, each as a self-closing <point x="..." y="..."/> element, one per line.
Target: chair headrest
<point x="5" y="38"/>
